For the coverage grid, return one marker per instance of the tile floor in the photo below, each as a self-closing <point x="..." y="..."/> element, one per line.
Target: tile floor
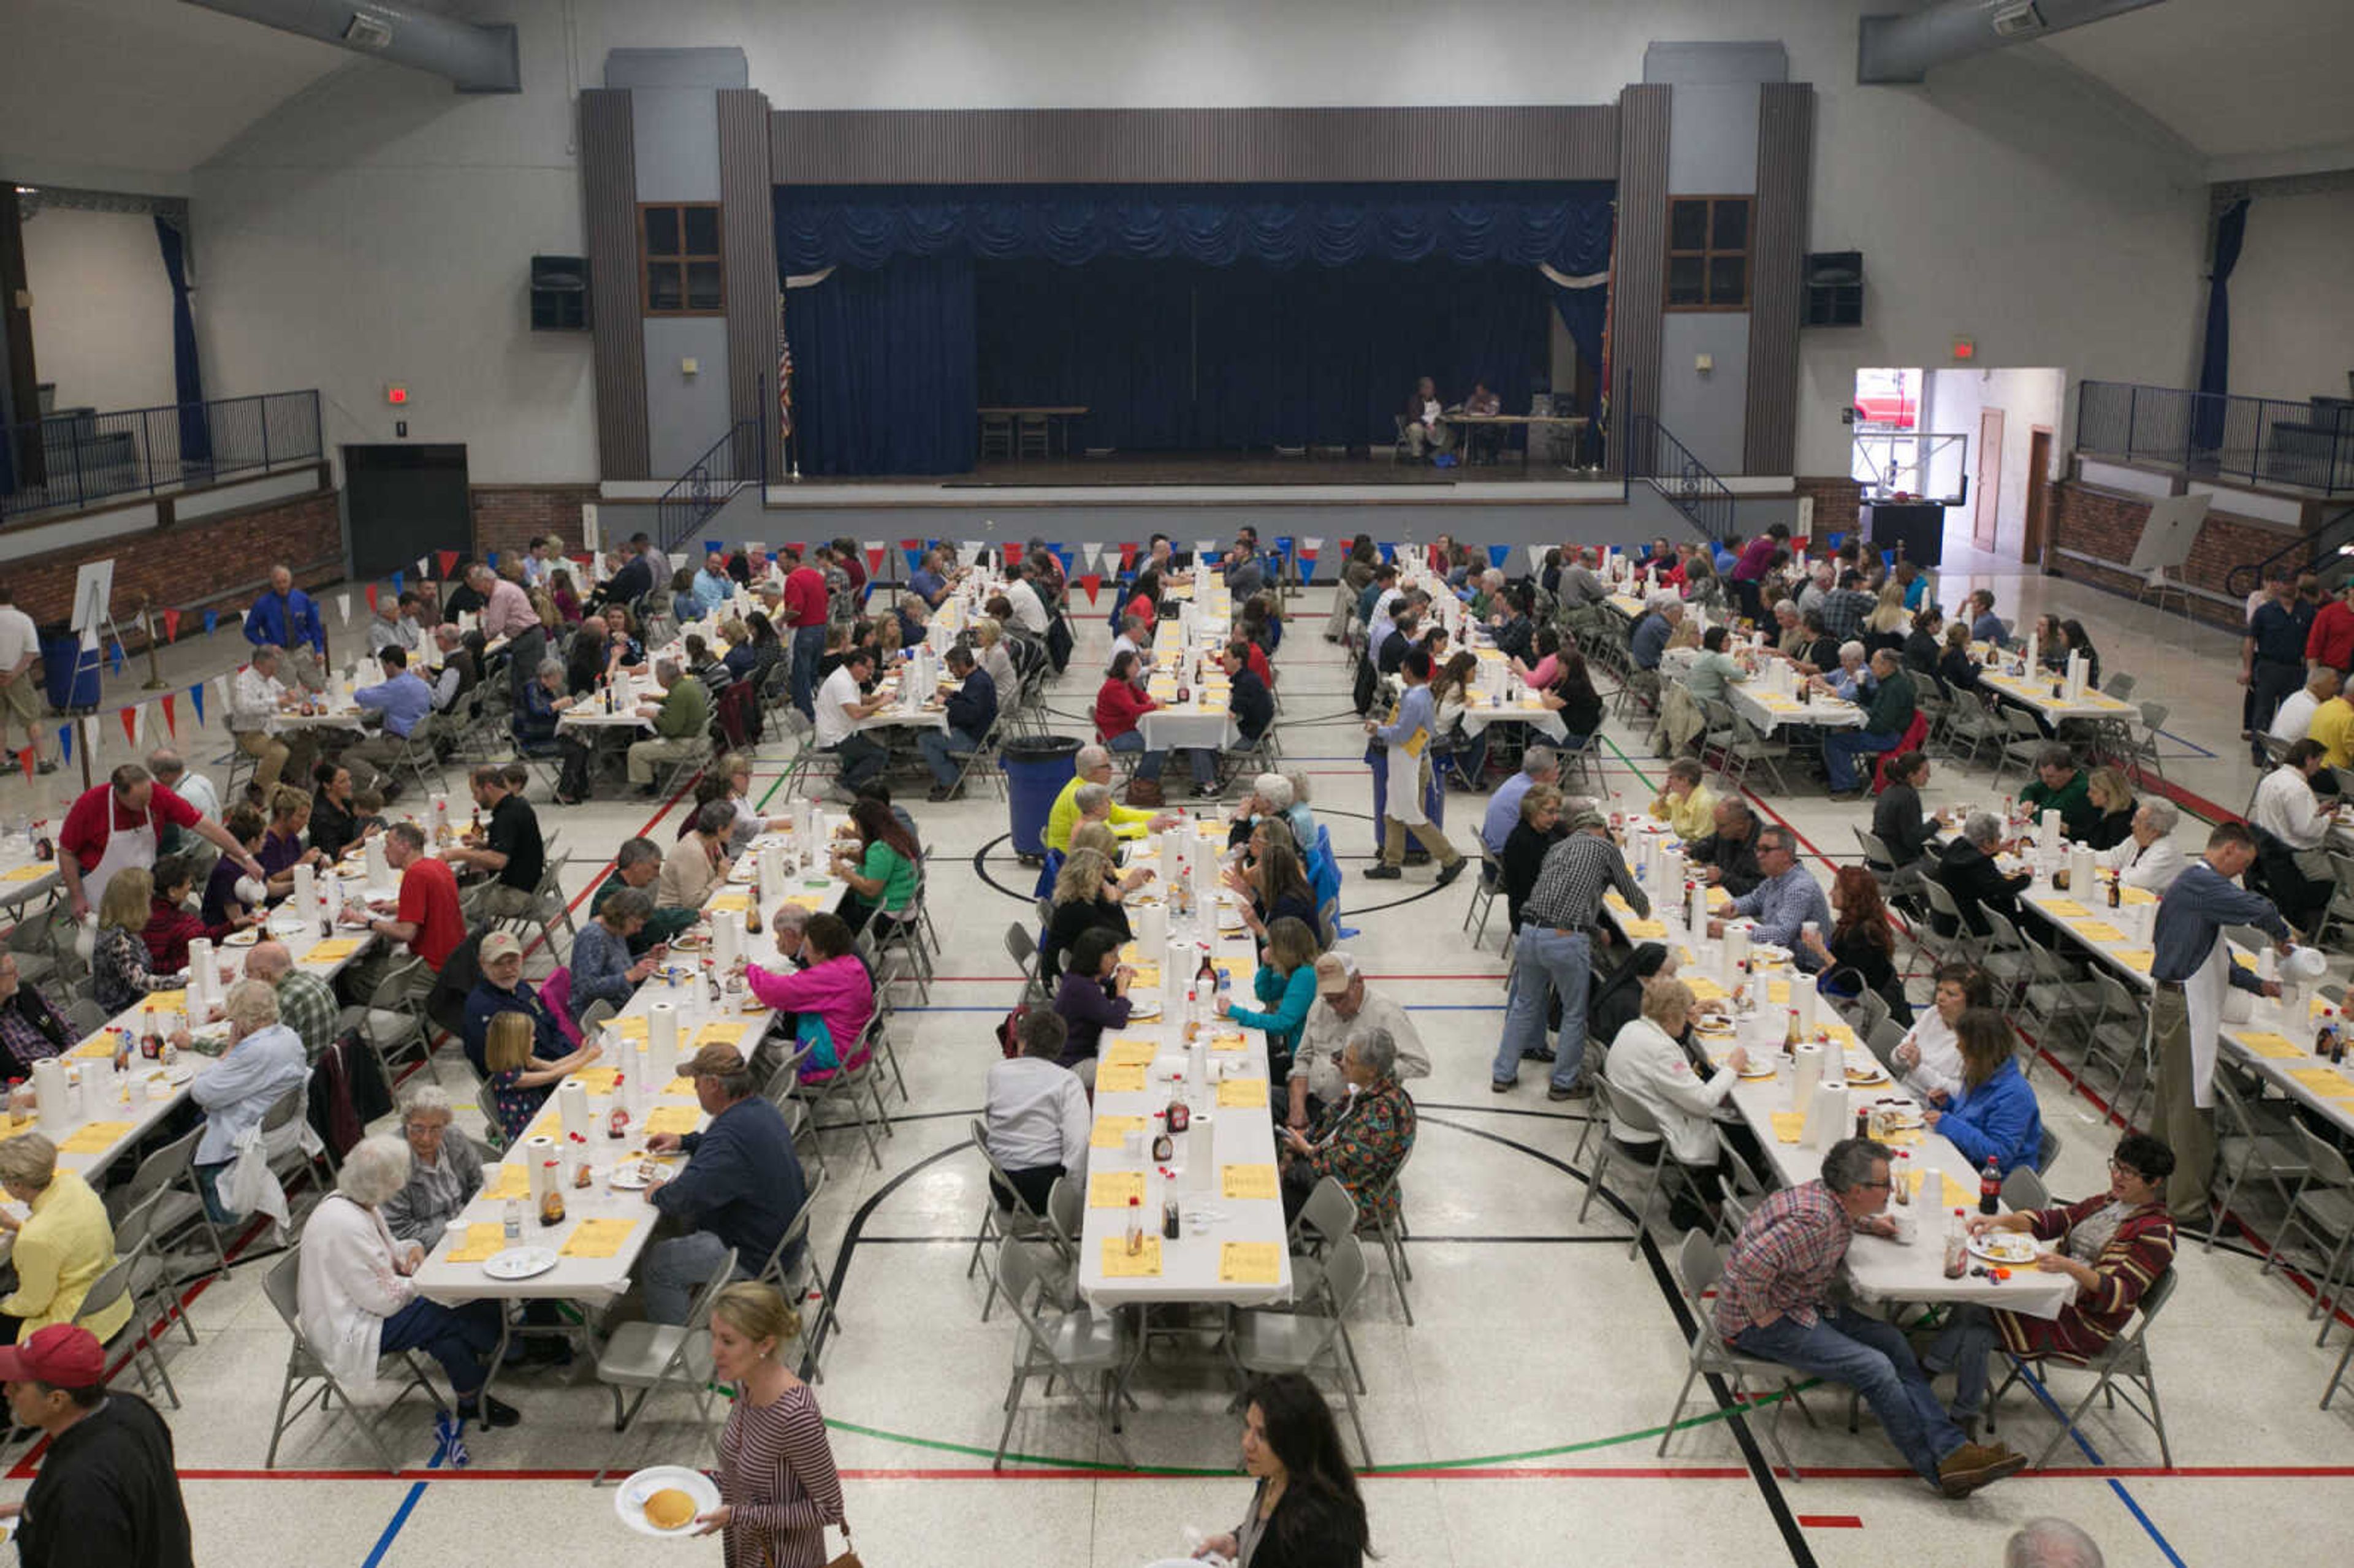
<point x="1515" y="1423"/>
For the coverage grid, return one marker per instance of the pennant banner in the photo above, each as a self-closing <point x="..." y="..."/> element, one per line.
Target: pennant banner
<point x="1128" y="557"/>
<point x="28" y="759"/>
<point x="196" y="699"/>
<point x="715" y="546"/>
<point x="1388" y="550"/>
<point x="449" y="559"/>
<point x="114" y="656"/>
<point x="90" y="737"/>
<point x="1497" y="555"/>
<point x="876" y="551"/>
<point x="171" y="626"/>
<point x="171" y="715"/>
<point x="212" y="619"/>
<point x="65" y="743"/>
<point x="422" y="570"/>
<point x="375" y="596"/>
<point x="1204" y="550"/>
<point x="1092" y="582"/>
<point x="1536" y="556"/>
<point x="399" y="581"/>
<point x="129" y="718"/>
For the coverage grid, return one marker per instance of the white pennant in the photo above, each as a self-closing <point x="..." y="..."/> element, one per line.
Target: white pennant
<point x="90" y="731"/>
<point x="138" y="725"/>
<point x="1311" y="545"/>
<point x="424" y="568"/>
<point x="344" y="606"/>
<point x="1204" y="550"/>
<point x="1536" y="556"/>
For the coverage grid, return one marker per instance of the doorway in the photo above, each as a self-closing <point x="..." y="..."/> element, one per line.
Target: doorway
<point x="406" y="500"/>
<point x="1987" y="517"/>
<point x="2038" y="496"/>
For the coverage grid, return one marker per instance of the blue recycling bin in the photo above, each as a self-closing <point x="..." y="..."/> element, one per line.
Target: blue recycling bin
<point x="68" y="671"/>
<point x="1036" y="769"/>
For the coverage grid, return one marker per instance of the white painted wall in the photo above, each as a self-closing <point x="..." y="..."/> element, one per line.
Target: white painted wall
<point x="377" y="227"/>
<point x="102" y="308"/>
<point x="2293" y="296"/>
<point x="1954" y="400"/>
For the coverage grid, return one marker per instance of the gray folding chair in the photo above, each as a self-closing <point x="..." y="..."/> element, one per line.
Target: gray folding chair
<point x="1624" y="1107"/>
<point x="1018" y="1221"/>
<point x="307" y="1375"/>
<point x="1066" y="1345"/>
<point x="1698" y="1265"/>
<point x="648" y="1357"/>
<point x="2122" y="1367"/>
<point x="1276" y="1342"/>
<point x="2321" y="1213"/>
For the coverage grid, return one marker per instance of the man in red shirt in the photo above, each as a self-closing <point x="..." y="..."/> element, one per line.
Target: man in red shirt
<point x="2332" y="641"/>
<point x="426" y="917"/>
<point x="805" y="611"/>
<point x="115" y="826"/>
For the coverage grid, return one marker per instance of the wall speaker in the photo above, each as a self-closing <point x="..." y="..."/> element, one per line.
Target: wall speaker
<point x="559" y="294"/>
<point x="1834" y="285"/>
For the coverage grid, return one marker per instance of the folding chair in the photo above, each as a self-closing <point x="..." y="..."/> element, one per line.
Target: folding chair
<point x="115" y="1286"/>
<point x="1698" y="1265"/>
<point x="2322" y="1212"/>
<point x="1022" y="948"/>
<point x="1484" y="889"/>
<point x="303" y="1367"/>
<point x="1626" y="1108"/>
<point x="1068" y="1345"/>
<point x="2023" y="1191"/>
<point x="165" y="1185"/>
<point x="392" y="1019"/>
<point x="842" y="1085"/>
<point x="1389" y="1228"/>
<point x="648" y="1357"/>
<point x="806" y="1282"/>
<point x="1014" y="1221"/>
<point x="2246" y="1146"/>
<point x="2124" y="1361"/>
<point x="1276" y="1342"/>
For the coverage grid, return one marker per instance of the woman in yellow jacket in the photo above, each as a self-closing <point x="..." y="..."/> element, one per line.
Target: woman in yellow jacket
<point x="61" y="1250"/>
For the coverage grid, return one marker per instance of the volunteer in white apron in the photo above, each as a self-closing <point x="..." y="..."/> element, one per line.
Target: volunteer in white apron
<point x="2191" y="967"/>
<point x="96" y="822"/>
<point x="1407" y="737"/>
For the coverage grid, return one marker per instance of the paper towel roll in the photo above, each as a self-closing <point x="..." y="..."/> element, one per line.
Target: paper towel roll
<point x="54" y="1112"/>
<point x="1152" y="926"/>
<point x="440" y="816"/>
<point x="1806" y="1072"/>
<point x="1736" y="950"/>
<point x="1201" y="1153"/>
<point x="538" y="1155"/>
<point x="1696" y="912"/>
<point x="726" y="937"/>
<point x="572" y="1106"/>
<point x="638" y="1076"/>
<point x="1169" y="860"/>
<point x="305" y="902"/>
<point x="1828" y="1118"/>
<point x="772" y="869"/>
<point x="204" y="974"/>
<point x="1803" y="996"/>
<point x="662" y="1030"/>
<point x="379" y="869"/>
<point x="2080" y="871"/>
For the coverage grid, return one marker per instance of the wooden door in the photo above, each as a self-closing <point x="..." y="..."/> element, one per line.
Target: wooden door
<point x="2039" y="480"/>
<point x="1989" y="478"/>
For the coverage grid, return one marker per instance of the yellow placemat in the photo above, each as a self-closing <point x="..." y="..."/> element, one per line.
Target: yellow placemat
<point x="1126" y="1053"/>
<point x="597" y="1238"/>
<point x="720" y="1034"/>
<point x="1125" y="1078"/>
<point x="27" y="873"/>
<point x="1147" y="977"/>
<point x="549" y="1125"/>
<point x="805" y="900"/>
<point x="671" y="1118"/>
<point x="1250" y="1262"/>
<point x="507" y="1181"/>
<point x="1901" y="1137"/>
<point x="631" y="1028"/>
<point x="485" y="1240"/>
<point x="1955" y="1194"/>
<point x="101" y="1135"/>
<point x="679" y="1086"/>
<point x="1249" y="1181"/>
<point x="2278" y="1047"/>
<point x="1703" y="989"/>
<point x="95" y="1050"/>
<point x="1789" y="1125"/>
<point x="597" y="1080"/>
<point x="1646" y="929"/>
<point x="2097" y="930"/>
<point x="1243" y="1094"/>
<point x="2137" y="960"/>
<point x="1118" y="1262"/>
<point x="168" y="1000"/>
<point x="1777" y="991"/>
<point x="1111" y="1131"/>
<point x="2067" y="909"/>
<point x="333" y="950"/>
<point x="735" y="903"/>
<point x="2136" y="895"/>
<point x="2327" y="1082"/>
<point x="1113" y="1188"/>
<point x="1227" y="1042"/>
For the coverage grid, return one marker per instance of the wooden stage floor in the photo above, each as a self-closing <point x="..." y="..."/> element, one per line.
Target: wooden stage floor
<point x="1255" y="470"/>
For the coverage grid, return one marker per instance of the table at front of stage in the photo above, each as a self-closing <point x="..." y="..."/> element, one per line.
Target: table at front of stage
<point x="1503" y="424"/>
<point x="1054" y="414"/>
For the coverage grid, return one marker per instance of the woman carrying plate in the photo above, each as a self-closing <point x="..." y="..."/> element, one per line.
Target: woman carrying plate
<point x="1994" y="1116"/>
<point x="778" y="1488"/>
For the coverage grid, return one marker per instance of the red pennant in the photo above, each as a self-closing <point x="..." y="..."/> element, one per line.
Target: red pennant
<point x="371" y="593"/>
<point x="801" y="550"/>
<point x="129" y="718"/>
<point x="171" y="626"/>
<point x="170" y="718"/>
<point x="874" y="561"/>
<point x="28" y="759"/>
<point x="1091" y="581"/>
<point x="1127" y="557"/>
<point x="449" y="559"/>
<point x="1798" y="545"/>
<point x="911" y="544"/>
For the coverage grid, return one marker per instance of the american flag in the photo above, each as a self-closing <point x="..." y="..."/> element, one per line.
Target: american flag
<point x="784" y="377"/>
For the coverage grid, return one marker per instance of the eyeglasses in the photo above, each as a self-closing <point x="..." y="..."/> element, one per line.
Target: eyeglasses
<point x="2119" y="1167"/>
<point x="1883" y="1183"/>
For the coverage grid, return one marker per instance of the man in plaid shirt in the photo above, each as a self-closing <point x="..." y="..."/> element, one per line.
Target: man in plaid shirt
<point x="306" y="1004"/>
<point x="1773" y="1302"/>
<point x="1846" y="607"/>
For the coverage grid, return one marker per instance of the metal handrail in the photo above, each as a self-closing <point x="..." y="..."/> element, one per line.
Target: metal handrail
<point x="1677" y="473"/>
<point x="72" y="460"/>
<point x="2321" y="552"/>
<point x="737" y="459"/>
<point x="2260" y="440"/>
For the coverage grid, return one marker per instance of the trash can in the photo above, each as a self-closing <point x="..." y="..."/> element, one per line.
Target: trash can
<point x="68" y="671"/>
<point x="1036" y="769"/>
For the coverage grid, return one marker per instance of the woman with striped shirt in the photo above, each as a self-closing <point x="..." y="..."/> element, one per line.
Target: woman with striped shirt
<point x="776" y="1485"/>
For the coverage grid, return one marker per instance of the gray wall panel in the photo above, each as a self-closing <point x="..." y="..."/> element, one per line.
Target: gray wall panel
<point x="704" y="68"/>
<point x="1713" y="151"/>
<point x="749" y="237"/>
<point x="1053" y="146"/>
<point x="685" y="413"/>
<point x="1715" y="65"/>
<point x="1639" y="287"/>
<point x="1704" y="410"/>
<point x="678" y="157"/>
<point x="1786" y="154"/>
<point x="609" y="180"/>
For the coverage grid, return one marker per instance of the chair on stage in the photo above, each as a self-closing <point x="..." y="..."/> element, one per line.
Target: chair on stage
<point x="997" y="436"/>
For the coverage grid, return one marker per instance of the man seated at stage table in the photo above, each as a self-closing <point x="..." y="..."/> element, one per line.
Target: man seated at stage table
<point x="2148" y="857"/>
<point x="1484" y="442"/>
<point x="1423" y="425"/>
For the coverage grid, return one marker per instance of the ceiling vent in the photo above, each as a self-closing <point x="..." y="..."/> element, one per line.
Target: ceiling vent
<point x="368" y="32"/>
<point x="2017" y="21"/>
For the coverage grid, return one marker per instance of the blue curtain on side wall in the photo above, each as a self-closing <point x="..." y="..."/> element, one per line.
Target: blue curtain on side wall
<point x="1582" y="311"/>
<point x="196" y="439"/>
<point x="883" y="369"/>
<point x="2215" y="361"/>
<point x="1173" y="355"/>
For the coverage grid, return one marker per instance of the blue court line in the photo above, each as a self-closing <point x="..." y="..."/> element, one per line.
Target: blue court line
<point x="2187" y="741"/>
<point x="2118" y="1486"/>
<point x="399" y="1518"/>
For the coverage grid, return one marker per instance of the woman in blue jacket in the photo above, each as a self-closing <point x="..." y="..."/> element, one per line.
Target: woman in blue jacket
<point x="1995" y="1116"/>
<point x="1286" y="982"/>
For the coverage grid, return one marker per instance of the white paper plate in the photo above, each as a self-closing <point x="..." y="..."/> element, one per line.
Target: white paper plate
<point x="630" y="1176"/>
<point x="1139" y="1011"/>
<point x="520" y="1262"/>
<point x="244" y="939"/>
<point x="629" y="1499"/>
<point x="2012" y="1249"/>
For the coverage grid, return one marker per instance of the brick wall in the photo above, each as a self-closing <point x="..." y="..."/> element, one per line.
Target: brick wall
<point x="1836" y="502"/>
<point x="190" y="565"/>
<point x="2109" y="524"/>
<point x="510" y="516"/>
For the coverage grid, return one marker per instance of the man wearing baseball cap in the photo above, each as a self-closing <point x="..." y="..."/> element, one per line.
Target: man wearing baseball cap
<point x="503" y="989"/>
<point x="106" y="1491"/>
<point x="1343" y="1005"/>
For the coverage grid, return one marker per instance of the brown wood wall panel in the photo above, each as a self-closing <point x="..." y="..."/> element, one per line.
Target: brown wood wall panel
<point x="1785" y="141"/>
<point x="1086" y="146"/>
<point x="608" y="175"/>
<point x="1639" y="287"/>
<point x="749" y="236"/>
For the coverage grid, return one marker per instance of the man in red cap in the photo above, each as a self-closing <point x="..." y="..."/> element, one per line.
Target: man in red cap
<point x="106" y="1491"/>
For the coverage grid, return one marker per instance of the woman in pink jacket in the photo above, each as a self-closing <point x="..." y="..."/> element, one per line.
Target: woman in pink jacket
<point x="832" y="997"/>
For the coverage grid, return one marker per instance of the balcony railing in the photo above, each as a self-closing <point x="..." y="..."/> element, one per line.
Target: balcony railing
<point x="2257" y="440"/>
<point x="68" y="461"/>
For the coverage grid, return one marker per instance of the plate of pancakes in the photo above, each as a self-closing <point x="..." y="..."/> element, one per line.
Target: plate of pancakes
<point x="664" y="1499"/>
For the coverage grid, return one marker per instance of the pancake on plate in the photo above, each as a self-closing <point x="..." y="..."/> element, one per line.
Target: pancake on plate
<point x="670" y="1508"/>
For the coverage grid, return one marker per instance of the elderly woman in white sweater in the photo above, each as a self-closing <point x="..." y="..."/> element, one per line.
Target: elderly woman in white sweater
<point x="1648" y="1066"/>
<point x="1929" y="1059"/>
<point x="359" y="1302"/>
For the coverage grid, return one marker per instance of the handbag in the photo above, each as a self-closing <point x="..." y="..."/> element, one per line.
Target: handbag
<point x="849" y="1557"/>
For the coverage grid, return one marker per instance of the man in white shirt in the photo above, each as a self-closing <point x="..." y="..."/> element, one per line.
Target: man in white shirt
<point x="540" y="564"/>
<point x="20" y="644"/>
<point x="173" y="774"/>
<point x="1384" y="621"/>
<point x="2148" y="857"/>
<point x="1029" y="610"/>
<point x="2294" y="715"/>
<point x="2290" y="825"/>
<point x="1131" y="639"/>
<point x="1811" y="595"/>
<point x="1426" y="431"/>
<point x="399" y="629"/>
<point x="255" y="698"/>
<point x="1034" y="1113"/>
<point x="841" y="707"/>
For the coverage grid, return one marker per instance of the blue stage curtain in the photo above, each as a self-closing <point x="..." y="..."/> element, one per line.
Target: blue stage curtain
<point x="1565" y="223"/>
<point x="1582" y="311"/>
<point x="883" y="363"/>
<point x="188" y="383"/>
<point x="1173" y="355"/>
<point x="2215" y="362"/>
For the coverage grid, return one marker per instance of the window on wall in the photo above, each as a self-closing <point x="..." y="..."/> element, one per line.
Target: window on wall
<point x="678" y="260"/>
<point x="1708" y="253"/>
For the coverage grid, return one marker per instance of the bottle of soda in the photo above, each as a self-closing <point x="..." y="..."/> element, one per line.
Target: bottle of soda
<point x="1990" y="1187"/>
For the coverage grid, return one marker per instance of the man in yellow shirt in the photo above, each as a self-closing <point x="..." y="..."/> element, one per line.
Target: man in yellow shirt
<point x="62" y="1248"/>
<point x="1094" y="765"/>
<point x="1685" y="803"/>
<point x="2333" y="725"/>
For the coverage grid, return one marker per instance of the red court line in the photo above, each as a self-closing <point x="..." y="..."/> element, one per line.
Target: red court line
<point x="1482" y="1472"/>
<point x="1830" y="1522"/>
